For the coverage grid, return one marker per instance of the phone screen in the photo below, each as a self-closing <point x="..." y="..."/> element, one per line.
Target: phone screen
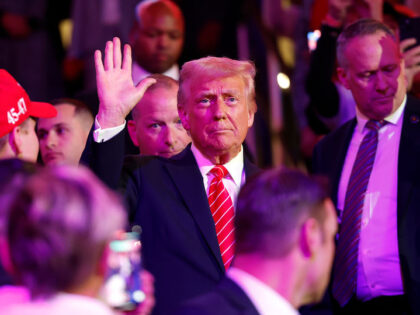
<point x="410" y="27"/>
<point x="123" y="289"/>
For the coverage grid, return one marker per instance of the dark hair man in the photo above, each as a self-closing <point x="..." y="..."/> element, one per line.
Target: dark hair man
<point x="62" y="138"/>
<point x="372" y="164"/>
<point x="285" y="233"/>
<point x="186" y="239"/>
<point x="17" y="123"/>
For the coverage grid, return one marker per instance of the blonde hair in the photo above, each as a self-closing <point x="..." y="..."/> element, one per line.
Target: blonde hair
<point x="214" y="68"/>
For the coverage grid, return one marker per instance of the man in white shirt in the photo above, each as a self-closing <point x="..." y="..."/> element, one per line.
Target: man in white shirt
<point x="372" y="164"/>
<point x="285" y="231"/>
<point x="157" y="38"/>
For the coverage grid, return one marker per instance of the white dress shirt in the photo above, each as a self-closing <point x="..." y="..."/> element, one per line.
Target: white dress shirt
<point x="265" y="299"/>
<point x="233" y="182"/>
<point x="378" y="270"/>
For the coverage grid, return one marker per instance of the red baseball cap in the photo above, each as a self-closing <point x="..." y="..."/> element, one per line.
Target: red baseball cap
<point x="15" y="105"/>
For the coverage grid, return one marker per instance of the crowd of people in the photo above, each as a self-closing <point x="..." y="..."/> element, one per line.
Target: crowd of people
<point x="161" y="149"/>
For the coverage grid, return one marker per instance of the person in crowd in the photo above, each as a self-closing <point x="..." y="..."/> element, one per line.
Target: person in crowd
<point x="284" y="248"/>
<point x="17" y="120"/>
<point x="187" y="243"/>
<point x="157" y="37"/>
<point x="56" y="224"/>
<point x="331" y="104"/>
<point x="63" y="138"/>
<point x="156" y="127"/>
<point x="372" y="165"/>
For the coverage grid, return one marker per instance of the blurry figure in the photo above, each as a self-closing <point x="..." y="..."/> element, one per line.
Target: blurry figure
<point x="284" y="248"/>
<point x="157" y="38"/>
<point x="30" y="48"/>
<point x="17" y="123"/>
<point x="57" y="226"/>
<point x="63" y="138"/>
<point x="95" y="22"/>
<point x="156" y="128"/>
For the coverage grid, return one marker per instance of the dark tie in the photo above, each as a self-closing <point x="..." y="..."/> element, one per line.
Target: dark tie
<point x="221" y="208"/>
<point x="345" y="265"/>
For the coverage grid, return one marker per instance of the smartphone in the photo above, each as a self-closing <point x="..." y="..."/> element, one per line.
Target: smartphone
<point x="123" y="288"/>
<point x="410" y="27"/>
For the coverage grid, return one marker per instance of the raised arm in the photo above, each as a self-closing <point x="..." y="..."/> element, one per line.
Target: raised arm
<point x="116" y="90"/>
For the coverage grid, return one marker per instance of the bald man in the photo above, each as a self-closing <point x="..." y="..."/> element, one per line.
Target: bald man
<point x="157" y="38"/>
<point x="156" y="128"/>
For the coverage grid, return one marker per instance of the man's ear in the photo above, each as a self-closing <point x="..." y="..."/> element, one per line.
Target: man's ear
<point x="184" y="117"/>
<point x="102" y="267"/>
<point x="310" y="238"/>
<point x="15" y="140"/>
<point x="131" y="127"/>
<point x="342" y="77"/>
<point x="5" y="257"/>
<point x="251" y="114"/>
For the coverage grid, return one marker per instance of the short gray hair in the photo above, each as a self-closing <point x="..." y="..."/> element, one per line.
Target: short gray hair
<point x="362" y="27"/>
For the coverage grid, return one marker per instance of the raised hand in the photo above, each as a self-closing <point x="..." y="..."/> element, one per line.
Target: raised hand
<point x="411" y="59"/>
<point x="116" y="90"/>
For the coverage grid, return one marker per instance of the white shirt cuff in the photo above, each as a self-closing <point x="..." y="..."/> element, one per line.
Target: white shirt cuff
<point x="103" y="135"/>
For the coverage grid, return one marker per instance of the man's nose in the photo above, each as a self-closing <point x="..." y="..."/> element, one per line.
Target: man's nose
<point x="51" y="140"/>
<point x="219" y="108"/>
<point x="170" y="138"/>
<point x="382" y="82"/>
<point x="163" y="41"/>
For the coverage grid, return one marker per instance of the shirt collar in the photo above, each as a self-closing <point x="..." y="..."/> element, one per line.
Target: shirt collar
<point x="138" y="73"/>
<point x="392" y="118"/>
<point x="235" y="166"/>
<point x="265" y="299"/>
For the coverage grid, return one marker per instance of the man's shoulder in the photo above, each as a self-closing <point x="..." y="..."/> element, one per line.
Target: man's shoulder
<point x="337" y="136"/>
<point x="226" y="298"/>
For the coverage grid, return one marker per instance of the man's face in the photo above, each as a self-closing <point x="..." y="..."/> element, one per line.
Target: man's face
<point x="62" y="139"/>
<point x="158" y="41"/>
<point x="158" y="129"/>
<point x="374" y="74"/>
<point x="29" y="143"/>
<point x="217" y="115"/>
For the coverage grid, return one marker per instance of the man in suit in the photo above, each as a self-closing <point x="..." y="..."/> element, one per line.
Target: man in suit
<point x="372" y="162"/>
<point x="285" y="248"/>
<point x="187" y="243"/>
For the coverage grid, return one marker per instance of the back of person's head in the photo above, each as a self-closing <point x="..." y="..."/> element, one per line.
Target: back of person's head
<point x="17" y="130"/>
<point x="60" y="220"/>
<point x="360" y="28"/>
<point x="271" y="209"/>
<point x="212" y="68"/>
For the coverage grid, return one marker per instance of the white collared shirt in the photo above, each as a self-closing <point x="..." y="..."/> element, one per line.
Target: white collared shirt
<point x="138" y="73"/>
<point x="233" y="182"/>
<point x="378" y="270"/>
<point x="265" y="299"/>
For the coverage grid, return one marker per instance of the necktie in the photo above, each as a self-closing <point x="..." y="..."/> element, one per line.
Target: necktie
<point x="221" y="208"/>
<point x="345" y="266"/>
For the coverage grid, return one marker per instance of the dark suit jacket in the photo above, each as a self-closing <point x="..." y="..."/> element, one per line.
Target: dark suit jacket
<point x="167" y="198"/>
<point x="329" y="156"/>
<point x="226" y="298"/>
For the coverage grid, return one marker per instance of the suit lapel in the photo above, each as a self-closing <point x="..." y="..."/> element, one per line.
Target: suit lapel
<point x="409" y="154"/>
<point x="339" y="158"/>
<point x="189" y="181"/>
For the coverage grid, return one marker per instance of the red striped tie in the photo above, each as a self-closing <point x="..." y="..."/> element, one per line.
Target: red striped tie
<point x="221" y="207"/>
